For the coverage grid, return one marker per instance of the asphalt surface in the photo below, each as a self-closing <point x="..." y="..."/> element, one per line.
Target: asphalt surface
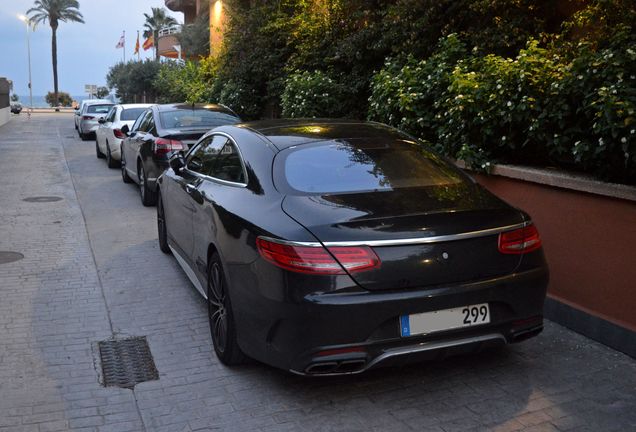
<point x="92" y="271"/>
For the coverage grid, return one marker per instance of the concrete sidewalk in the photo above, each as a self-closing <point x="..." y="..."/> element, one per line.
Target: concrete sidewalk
<point x="92" y="270"/>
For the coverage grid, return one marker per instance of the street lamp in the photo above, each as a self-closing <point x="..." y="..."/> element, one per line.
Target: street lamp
<point x="28" y="23"/>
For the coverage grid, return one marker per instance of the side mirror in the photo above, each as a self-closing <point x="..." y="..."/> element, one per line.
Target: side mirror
<point x="125" y="129"/>
<point x="177" y="162"/>
<point x="101" y="120"/>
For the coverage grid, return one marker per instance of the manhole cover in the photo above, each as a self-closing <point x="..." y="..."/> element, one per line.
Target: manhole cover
<point x="127" y="362"/>
<point x="42" y="199"/>
<point x="9" y="257"/>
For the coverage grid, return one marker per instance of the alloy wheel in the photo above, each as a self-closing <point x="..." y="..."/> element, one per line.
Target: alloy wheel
<point x="216" y="307"/>
<point x="161" y="227"/>
<point x="142" y="182"/>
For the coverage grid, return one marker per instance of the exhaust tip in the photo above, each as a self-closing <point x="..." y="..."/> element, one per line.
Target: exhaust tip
<point x="321" y="368"/>
<point x="335" y="368"/>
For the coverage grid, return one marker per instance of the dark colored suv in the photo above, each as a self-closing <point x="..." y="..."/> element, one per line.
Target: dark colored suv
<point x="161" y="130"/>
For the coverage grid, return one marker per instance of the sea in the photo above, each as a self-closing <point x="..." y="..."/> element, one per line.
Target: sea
<point x="40" y="102"/>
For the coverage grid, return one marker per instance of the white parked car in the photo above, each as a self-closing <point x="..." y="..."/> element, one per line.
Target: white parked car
<point x="108" y="136"/>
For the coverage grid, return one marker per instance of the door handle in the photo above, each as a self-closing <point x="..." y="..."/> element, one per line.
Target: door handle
<point x="189" y="188"/>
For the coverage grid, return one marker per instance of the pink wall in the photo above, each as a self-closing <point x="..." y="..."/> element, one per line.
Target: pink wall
<point x="590" y="244"/>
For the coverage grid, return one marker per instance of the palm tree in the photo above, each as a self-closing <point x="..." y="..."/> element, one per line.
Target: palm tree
<point x="156" y="22"/>
<point x="54" y="11"/>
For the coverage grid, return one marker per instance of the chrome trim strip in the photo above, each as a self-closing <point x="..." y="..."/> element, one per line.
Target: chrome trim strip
<point x="406" y="241"/>
<point x="291" y="242"/>
<point x="413" y="349"/>
<point x="433" y="346"/>
<point x="214" y="179"/>
<point x="189" y="272"/>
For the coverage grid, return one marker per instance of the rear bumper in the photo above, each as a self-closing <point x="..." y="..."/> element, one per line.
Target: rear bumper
<point x="350" y="332"/>
<point x="88" y="126"/>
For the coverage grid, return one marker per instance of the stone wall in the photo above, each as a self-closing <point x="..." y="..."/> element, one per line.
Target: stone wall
<point x="5" y="111"/>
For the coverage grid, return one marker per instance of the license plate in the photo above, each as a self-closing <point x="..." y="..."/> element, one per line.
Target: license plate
<point x="446" y="319"/>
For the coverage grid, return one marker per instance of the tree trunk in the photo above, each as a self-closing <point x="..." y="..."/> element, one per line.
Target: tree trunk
<point x="156" y="44"/>
<point x="54" y="54"/>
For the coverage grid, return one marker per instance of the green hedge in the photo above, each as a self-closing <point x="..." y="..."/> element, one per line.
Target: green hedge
<point x="313" y="94"/>
<point x="542" y="107"/>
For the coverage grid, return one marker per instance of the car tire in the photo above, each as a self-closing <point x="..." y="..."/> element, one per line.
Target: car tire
<point x="83" y="136"/>
<point x="148" y="197"/>
<point x="99" y="153"/>
<point x="220" y="316"/>
<point x="124" y="174"/>
<point x="110" y="162"/>
<point x="162" y="227"/>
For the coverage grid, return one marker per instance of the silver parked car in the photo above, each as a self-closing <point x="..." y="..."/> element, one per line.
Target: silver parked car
<point x="80" y="107"/>
<point x="109" y="136"/>
<point x="89" y="114"/>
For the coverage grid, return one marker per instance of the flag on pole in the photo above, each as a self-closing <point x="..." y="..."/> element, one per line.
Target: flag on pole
<point x="148" y="43"/>
<point x="122" y="41"/>
<point x="137" y="44"/>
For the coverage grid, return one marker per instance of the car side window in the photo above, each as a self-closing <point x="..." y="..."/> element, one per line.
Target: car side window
<point x="138" y="122"/>
<point x="143" y="126"/>
<point x="202" y="159"/>
<point x="228" y="165"/>
<point x="150" y="127"/>
<point x="110" y="117"/>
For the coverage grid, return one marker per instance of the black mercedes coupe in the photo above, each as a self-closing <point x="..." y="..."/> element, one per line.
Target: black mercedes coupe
<point x="328" y="247"/>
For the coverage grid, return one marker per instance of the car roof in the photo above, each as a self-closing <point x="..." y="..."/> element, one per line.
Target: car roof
<point x="285" y="133"/>
<point x="97" y="101"/>
<point x="128" y="106"/>
<point x="200" y="106"/>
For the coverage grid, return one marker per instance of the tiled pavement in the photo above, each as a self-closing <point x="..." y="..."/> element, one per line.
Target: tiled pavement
<point x="92" y="270"/>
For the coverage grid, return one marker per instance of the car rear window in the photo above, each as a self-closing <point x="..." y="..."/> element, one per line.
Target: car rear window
<point x="98" y="109"/>
<point x="364" y="165"/>
<point x="195" y="119"/>
<point x="131" y="113"/>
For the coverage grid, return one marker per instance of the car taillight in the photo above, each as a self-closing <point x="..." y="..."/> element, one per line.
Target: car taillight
<point x="316" y="259"/>
<point x="520" y="241"/>
<point x="119" y="134"/>
<point x="87" y="117"/>
<point x="164" y="146"/>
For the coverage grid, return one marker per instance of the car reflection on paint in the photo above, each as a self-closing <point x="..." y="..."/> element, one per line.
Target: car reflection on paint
<point x="332" y="247"/>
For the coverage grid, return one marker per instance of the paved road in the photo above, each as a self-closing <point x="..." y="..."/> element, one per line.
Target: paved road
<point x="92" y="271"/>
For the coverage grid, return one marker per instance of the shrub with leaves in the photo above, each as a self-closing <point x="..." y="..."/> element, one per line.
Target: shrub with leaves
<point x="241" y="98"/>
<point x="64" y="99"/>
<point x="576" y="110"/>
<point x="312" y="94"/>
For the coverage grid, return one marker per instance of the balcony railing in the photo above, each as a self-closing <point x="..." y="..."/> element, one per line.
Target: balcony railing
<point x="166" y="31"/>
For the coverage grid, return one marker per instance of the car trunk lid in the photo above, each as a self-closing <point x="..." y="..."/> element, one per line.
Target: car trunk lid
<point x="422" y="236"/>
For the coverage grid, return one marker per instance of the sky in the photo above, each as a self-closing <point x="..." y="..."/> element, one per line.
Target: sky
<point x="85" y="51"/>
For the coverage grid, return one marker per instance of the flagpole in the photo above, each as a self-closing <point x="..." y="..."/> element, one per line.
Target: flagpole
<point x="124" y="46"/>
<point x="138" y="48"/>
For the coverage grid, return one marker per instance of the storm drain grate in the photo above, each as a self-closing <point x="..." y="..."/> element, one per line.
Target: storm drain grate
<point x="9" y="257"/>
<point x="127" y="362"/>
<point x="42" y="199"/>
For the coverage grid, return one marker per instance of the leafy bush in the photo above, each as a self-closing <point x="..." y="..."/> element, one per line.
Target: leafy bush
<point x="134" y="80"/>
<point x="414" y="95"/>
<point x="63" y="98"/>
<point x="312" y="94"/>
<point x="541" y="107"/>
<point x="241" y="98"/>
<point x="189" y="83"/>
